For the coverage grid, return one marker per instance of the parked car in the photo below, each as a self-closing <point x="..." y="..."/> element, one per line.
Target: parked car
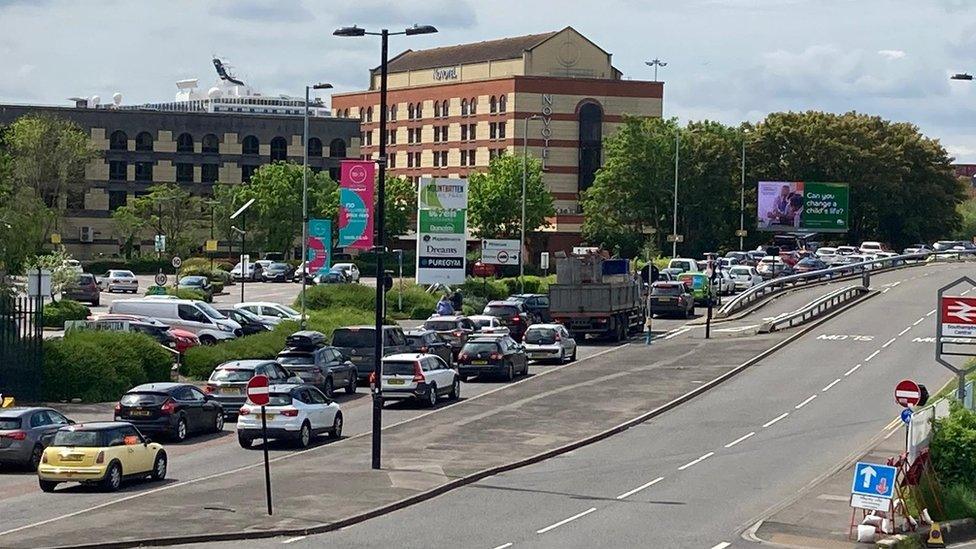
<point x="670" y="273"/>
<point x="893" y="262"/>
<point x="846" y="250"/>
<point x="349" y="269"/>
<point x="424" y="341"/>
<point x="193" y="316"/>
<point x="700" y="287"/>
<point x="164" y="334"/>
<point x="686" y="265"/>
<point x="727" y="262"/>
<point x="250" y="322"/>
<point x="357" y="344"/>
<point x="918" y="249"/>
<point x="492" y="355"/>
<point x="253" y="272"/>
<point x="488" y="324"/>
<point x="870" y="247"/>
<point x="455" y="329"/>
<point x="277" y="272"/>
<point x="723" y="282"/>
<point x="198" y="283"/>
<point x="945" y="245"/>
<point x="118" y="281"/>
<point x="671" y="298"/>
<point x="271" y="312"/>
<point x="745" y="277"/>
<point x="511" y="314"/>
<point x="102" y="453"/>
<point x="295" y="412"/>
<point x="423" y="377"/>
<point x="549" y="342"/>
<point x="739" y="256"/>
<point x="536" y="305"/>
<point x="74" y="265"/>
<point x="25" y="432"/>
<point x="228" y="381"/>
<point x="331" y="277"/>
<point x="772" y="267"/>
<point x="307" y="355"/>
<point x="790" y="258"/>
<point x="810" y="264"/>
<point x="174" y="410"/>
<point x="83" y="288"/>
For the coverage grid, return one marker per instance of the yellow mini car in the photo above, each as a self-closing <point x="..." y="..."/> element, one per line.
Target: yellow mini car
<point x="101" y="453"/>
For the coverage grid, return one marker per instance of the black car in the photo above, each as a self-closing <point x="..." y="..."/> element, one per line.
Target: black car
<point x="671" y="298"/>
<point x="809" y="264"/>
<point x="430" y="342"/>
<point x="277" y="272"/>
<point x="511" y="314"/>
<point x="357" y="343"/>
<point x="198" y="283"/>
<point x="250" y="322"/>
<point x="331" y="277"/>
<point x="307" y="355"/>
<point x="172" y="409"/>
<point x="492" y="355"/>
<point x="537" y="305"/>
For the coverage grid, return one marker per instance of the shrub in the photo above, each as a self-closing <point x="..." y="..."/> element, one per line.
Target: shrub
<point x="57" y="312"/>
<point x="182" y="293"/>
<point x="215" y="275"/>
<point x="141" y="265"/>
<point x="420" y="312"/>
<point x="98" y="366"/>
<point x="218" y="286"/>
<point x="329" y="296"/>
<point x="953" y="447"/>
<point x="489" y="289"/>
<point x="415" y="299"/>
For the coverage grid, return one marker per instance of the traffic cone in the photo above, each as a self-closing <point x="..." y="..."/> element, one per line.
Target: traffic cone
<point x="935" y="536"/>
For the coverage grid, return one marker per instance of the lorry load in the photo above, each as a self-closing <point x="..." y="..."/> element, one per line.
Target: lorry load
<point x="596" y="295"/>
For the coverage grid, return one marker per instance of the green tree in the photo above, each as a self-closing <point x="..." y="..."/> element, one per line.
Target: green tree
<point x="126" y="226"/>
<point x="400" y="206"/>
<point x="495" y="199"/>
<point x="171" y="210"/>
<point x="56" y="262"/>
<point x="967" y="227"/>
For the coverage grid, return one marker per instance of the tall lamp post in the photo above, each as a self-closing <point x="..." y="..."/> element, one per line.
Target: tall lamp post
<point x="655" y="63"/>
<point x="525" y="171"/>
<point x="742" y="193"/>
<point x="674" y="214"/>
<point x="304" y="265"/>
<point x="379" y="244"/>
<point x="243" y="232"/>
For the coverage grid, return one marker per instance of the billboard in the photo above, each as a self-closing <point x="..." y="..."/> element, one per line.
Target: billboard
<point x="442" y="206"/>
<point x="356" y="182"/>
<point x="802" y="206"/>
<point x="319" y="246"/>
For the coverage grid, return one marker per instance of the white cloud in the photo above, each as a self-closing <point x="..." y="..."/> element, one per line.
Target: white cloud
<point x="892" y="54"/>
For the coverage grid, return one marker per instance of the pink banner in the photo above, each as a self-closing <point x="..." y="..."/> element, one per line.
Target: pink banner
<point x="356" y="188"/>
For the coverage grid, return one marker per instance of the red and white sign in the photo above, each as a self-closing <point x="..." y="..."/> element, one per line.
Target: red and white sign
<point x="958" y="316"/>
<point x="257" y="390"/>
<point x="907" y="393"/>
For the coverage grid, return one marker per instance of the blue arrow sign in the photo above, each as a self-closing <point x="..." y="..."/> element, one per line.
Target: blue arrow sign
<point x="906" y="416"/>
<point x="871" y="479"/>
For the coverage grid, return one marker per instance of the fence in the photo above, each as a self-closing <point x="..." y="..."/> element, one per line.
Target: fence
<point x="21" y="347"/>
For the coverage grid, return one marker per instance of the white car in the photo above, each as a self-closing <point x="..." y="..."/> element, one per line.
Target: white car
<point x="270" y="312"/>
<point x="728" y="262"/>
<point x="871" y="247"/>
<point x="489" y="325"/>
<point x="251" y="274"/>
<point x="860" y="258"/>
<point x="421" y="377"/>
<point x="826" y="254"/>
<point x="723" y="283"/>
<point x="293" y="412"/>
<point x="771" y="266"/>
<point x="351" y="270"/>
<point x="118" y="281"/>
<point x="74" y="265"/>
<point x="549" y="342"/>
<point x="745" y="277"/>
<point x="846" y="250"/>
<point x="686" y="265"/>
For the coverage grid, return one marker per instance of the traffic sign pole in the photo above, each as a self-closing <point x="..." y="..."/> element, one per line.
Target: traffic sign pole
<point x="267" y="466"/>
<point x="258" y="393"/>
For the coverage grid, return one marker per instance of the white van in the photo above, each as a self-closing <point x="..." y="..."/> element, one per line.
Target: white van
<point x="187" y="314"/>
<point x="686" y="265"/>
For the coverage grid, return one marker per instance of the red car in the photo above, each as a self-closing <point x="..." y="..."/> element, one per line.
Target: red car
<point x="175" y="338"/>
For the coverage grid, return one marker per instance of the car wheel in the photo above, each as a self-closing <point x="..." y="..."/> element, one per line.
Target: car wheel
<point x="244" y="441"/>
<point x="35" y="457"/>
<point x="179" y="432"/>
<point x="431" y="396"/>
<point x="510" y="373"/>
<point x="304" y="436"/>
<point x="329" y="388"/>
<point x="455" y="389"/>
<point x="351" y="388"/>
<point x="219" y="422"/>
<point x="208" y="340"/>
<point x="113" y="478"/>
<point x="159" y="467"/>
<point x="47" y="485"/>
<point x="336" y="431"/>
<point x="562" y="357"/>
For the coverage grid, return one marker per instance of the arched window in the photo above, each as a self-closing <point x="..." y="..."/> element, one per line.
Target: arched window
<point x="118" y="141"/>
<point x="279" y="149"/>
<point x="369" y="114"/>
<point x="445" y="108"/>
<point x="493" y="104"/>
<point x="184" y="143"/>
<point x="420" y="110"/>
<point x="437" y="109"/>
<point x="410" y="111"/>
<point x="393" y="113"/>
<point x="590" y="143"/>
<point x="473" y="106"/>
<point x="464" y="107"/>
<point x="315" y="147"/>
<point x="501" y="103"/>
<point x="210" y="144"/>
<point x="144" y="142"/>
<point x="337" y="148"/>
<point x="250" y="145"/>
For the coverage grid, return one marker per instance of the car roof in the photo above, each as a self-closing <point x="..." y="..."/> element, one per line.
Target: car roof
<point x="286" y="387"/>
<point x="547" y="326"/>
<point x="505" y="302"/>
<point x="261" y="303"/>
<point x="525" y="296"/>
<point x="486" y="338"/>
<point x="96" y="426"/>
<point x="418" y="332"/>
<point x="446" y="317"/>
<point x="20" y="411"/>
<point x="160" y="387"/>
<point x="245" y="364"/>
<point x="407" y="356"/>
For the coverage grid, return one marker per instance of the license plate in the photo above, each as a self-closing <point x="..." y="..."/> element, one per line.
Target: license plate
<point x="479" y="362"/>
<point x="139" y="413"/>
<point x="230" y="391"/>
<point x="72" y="457"/>
<point x="268" y="417"/>
<point x="396" y="382"/>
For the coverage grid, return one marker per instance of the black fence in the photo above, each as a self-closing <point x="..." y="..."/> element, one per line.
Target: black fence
<point x="21" y="347"/>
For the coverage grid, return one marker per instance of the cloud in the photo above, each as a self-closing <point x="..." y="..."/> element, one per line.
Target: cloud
<point x="260" y="11"/>
<point x="444" y="14"/>
<point x="892" y="54"/>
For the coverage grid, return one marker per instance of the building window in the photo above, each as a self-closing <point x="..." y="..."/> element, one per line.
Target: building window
<point x="75" y="200"/>
<point x="208" y="173"/>
<point x="144" y="142"/>
<point x="409" y="160"/>
<point x="501" y="103"/>
<point x="444" y="159"/>
<point x="118" y="170"/>
<point x="464" y="158"/>
<point x="393" y="113"/>
<point x="410" y="111"/>
<point x="420" y="110"/>
<point x="493" y="130"/>
<point x="464" y="132"/>
<point x="210" y="144"/>
<point x="391" y="163"/>
<point x="118" y="141"/>
<point x="437" y="109"/>
<point x="184" y="172"/>
<point x="473" y="106"/>
<point x="464" y="107"/>
<point x="501" y="130"/>
<point x="337" y="148"/>
<point x="250" y="145"/>
<point x="246" y="172"/>
<point x="437" y="159"/>
<point x="315" y="147"/>
<point x="117" y="199"/>
<point x="472" y="132"/>
<point x="279" y="149"/>
<point x="493" y="105"/>
<point x="144" y="171"/>
<point x="369" y="114"/>
<point x="590" y="143"/>
<point x="184" y="143"/>
<point x="471" y="157"/>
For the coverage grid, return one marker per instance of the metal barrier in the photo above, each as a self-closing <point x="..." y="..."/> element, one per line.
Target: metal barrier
<point x="763" y="291"/>
<point x="814" y="309"/>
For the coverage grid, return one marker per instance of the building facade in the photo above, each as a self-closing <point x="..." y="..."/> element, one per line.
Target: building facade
<point x="454" y="108"/>
<point x="140" y="148"/>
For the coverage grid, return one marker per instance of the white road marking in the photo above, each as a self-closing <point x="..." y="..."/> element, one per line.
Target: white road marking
<point x="679" y="332"/>
<point x="722" y="545"/>
<point x="639" y="488"/>
<point x="740" y="439"/>
<point x="966" y="292"/>
<point x="696" y="461"/>
<point x="896" y="284"/>
<point x="919" y="321"/>
<point x="872" y="355"/>
<point x="905" y="331"/>
<point x="805" y="402"/>
<point x="832" y="383"/>
<point x="505" y="546"/>
<point x="885" y="290"/>
<point x="775" y="419"/>
<point x="930" y="313"/>
<point x="564" y="521"/>
<point x="889" y="342"/>
<point x="893" y="431"/>
<point x="739" y="329"/>
<point x="293" y="540"/>
<point x="852" y="370"/>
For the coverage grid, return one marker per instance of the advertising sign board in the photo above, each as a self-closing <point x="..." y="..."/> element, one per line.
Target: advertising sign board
<point x="441" y="227"/>
<point x="356" y="183"/>
<point x="803" y="206"/>
<point x="319" y="246"/>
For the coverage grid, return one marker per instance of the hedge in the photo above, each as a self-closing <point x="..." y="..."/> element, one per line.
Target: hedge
<point x="182" y="293"/>
<point x="357" y="296"/>
<point x="99" y="366"/>
<point x="138" y="265"/>
<point x="57" y="312"/>
<point x="214" y="275"/>
<point x="953" y="446"/>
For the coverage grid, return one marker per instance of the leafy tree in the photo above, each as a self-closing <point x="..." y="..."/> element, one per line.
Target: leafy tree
<point x="62" y="275"/>
<point x="967" y="227"/>
<point x="168" y="209"/>
<point x="400" y="206"/>
<point x="126" y="226"/>
<point x="495" y="199"/>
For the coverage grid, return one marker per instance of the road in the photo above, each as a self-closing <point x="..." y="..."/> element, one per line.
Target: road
<point x="699" y="475"/>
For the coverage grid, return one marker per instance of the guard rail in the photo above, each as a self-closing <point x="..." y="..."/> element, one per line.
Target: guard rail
<point x="814" y="309"/>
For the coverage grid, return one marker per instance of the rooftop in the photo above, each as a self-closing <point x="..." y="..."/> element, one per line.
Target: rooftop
<point x="476" y="52"/>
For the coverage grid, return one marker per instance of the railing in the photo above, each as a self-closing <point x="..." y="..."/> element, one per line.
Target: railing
<point x="814" y="309"/>
<point x="761" y="292"/>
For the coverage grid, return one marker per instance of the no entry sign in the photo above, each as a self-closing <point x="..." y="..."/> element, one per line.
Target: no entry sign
<point x="257" y="390"/>
<point x="908" y="393"/>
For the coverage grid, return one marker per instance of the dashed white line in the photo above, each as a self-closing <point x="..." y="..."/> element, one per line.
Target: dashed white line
<point x="889" y="342"/>
<point x="832" y="383"/>
<point x="679" y="332"/>
<point x="722" y="545"/>
<point x="293" y="540"/>
<point x="852" y="370"/>
<point x="872" y="355"/>
<point x="919" y="321"/>
<point x="639" y="488"/>
<point x="905" y="331"/>
<point x="896" y="284"/>
<point x="505" y="546"/>
<point x="805" y="402"/>
<point x="740" y="439"/>
<point x="966" y="292"/>
<point x="696" y="461"/>
<point x="564" y="521"/>
<point x="775" y="419"/>
<point x="930" y="313"/>
<point x="885" y="290"/>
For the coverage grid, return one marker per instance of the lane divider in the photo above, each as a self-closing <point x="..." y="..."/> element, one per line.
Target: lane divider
<point x="565" y="521"/>
<point x="639" y="488"/>
<point x="771" y="422"/>
<point x="805" y="402"/>
<point x="872" y="355"/>
<point x="740" y="439"/>
<point x="889" y="342"/>
<point x="696" y="461"/>
<point x="832" y="383"/>
<point x="852" y="370"/>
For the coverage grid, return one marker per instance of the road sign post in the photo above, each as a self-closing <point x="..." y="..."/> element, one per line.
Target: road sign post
<point x="257" y="393"/>
<point x="956" y="328"/>
<point x="907" y="393"/>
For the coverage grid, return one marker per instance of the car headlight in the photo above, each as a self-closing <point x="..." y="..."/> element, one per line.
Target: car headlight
<point x="225" y="328"/>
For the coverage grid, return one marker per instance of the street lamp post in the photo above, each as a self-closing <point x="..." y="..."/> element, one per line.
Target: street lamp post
<point x="243" y="232"/>
<point x="674" y="226"/>
<point x="379" y="247"/>
<point x="319" y="86"/>
<point x="525" y="171"/>
<point x="655" y="63"/>
<point x="742" y="197"/>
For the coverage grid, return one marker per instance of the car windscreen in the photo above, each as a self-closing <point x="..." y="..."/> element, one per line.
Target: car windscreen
<point x="440" y="325"/>
<point x="415" y="340"/>
<point x="480" y="347"/>
<point x="122" y="274"/>
<point x="279" y="399"/>
<point x="143" y="399"/>
<point x="9" y="423"/>
<point x="669" y="289"/>
<point x="84" y="439"/>
<point x="501" y="310"/>
<point x="352" y="338"/>
<point x="740" y="271"/>
<point x="193" y="281"/>
<point x="540" y="336"/>
<point x="85" y="279"/>
<point x="231" y="374"/>
<point x="482" y="322"/>
<point x="296" y="359"/>
<point x="684" y="265"/>
<point x="278" y="267"/>
<point x="398" y="368"/>
<point x="210" y="311"/>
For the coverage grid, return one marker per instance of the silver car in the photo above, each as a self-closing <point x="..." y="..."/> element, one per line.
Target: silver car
<point x="25" y="432"/>
<point x="118" y="281"/>
<point x="549" y="342"/>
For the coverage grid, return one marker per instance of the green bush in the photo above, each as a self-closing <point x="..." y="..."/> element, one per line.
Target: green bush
<point x="953" y="447"/>
<point x="182" y="293"/>
<point x="415" y="299"/>
<point x="214" y="275"/>
<point x="420" y="312"/>
<point x="489" y="289"/>
<point x="329" y="296"/>
<point x="98" y="366"/>
<point x="141" y="265"/>
<point x="57" y="312"/>
<point x="218" y="286"/>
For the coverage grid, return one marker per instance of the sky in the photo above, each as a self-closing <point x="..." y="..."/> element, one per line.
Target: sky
<point x="727" y="60"/>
